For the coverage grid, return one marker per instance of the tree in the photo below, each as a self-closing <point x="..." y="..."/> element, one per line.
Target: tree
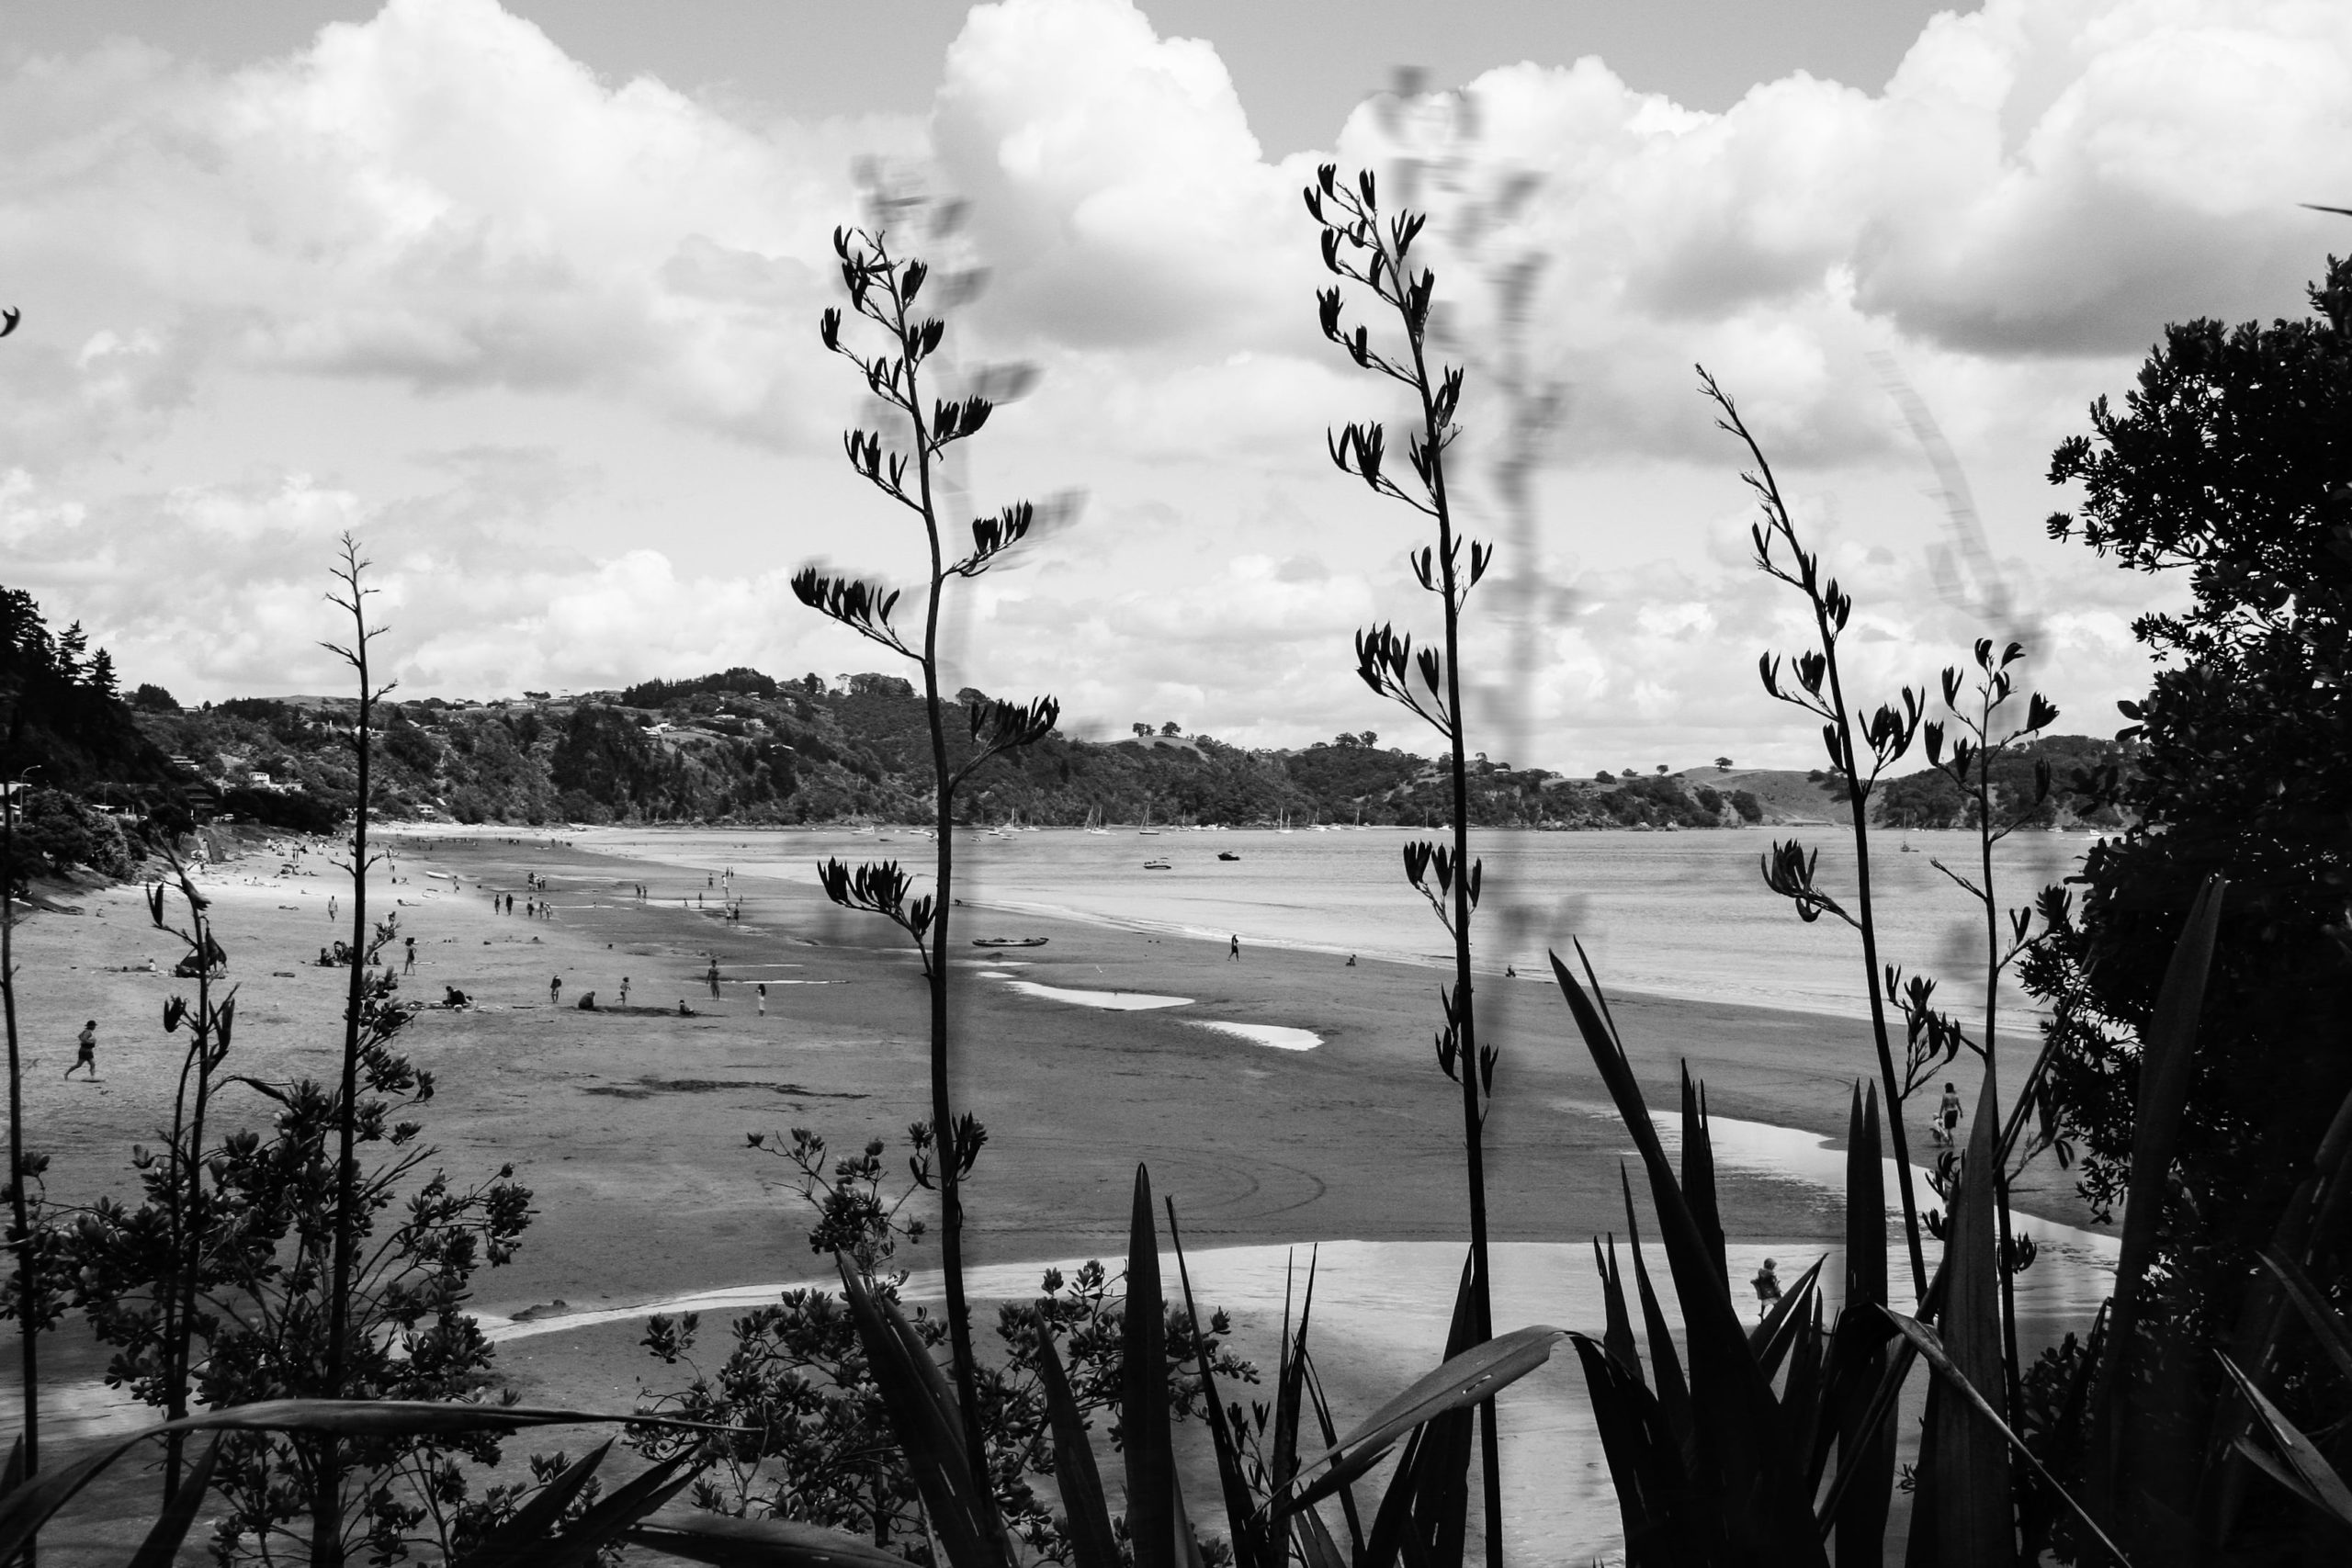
<point x="1143" y="730"/>
<point x="2229" y="462"/>
<point x="883" y="287"/>
<point x="1662" y="770"/>
<point x="153" y="698"/>
<point x="1722" y="764"/>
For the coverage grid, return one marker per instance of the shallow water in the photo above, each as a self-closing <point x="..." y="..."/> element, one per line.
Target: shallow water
<point x="1672" y="914"/>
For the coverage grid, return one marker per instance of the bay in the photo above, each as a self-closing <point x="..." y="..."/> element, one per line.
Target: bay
<point x="1671" y="914"/>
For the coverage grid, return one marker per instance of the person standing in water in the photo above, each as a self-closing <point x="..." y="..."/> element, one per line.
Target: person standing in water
<point x="763" y="998"/>
<point x="87" y="1050"/>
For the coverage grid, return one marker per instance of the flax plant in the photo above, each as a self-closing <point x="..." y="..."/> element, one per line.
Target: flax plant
<point x="1861" y="746"/>
<point x="1375" y="253"/>
<point x="27" y="1302"/>
<point x="1981" y="740"/>
<point x="884" y="288"/>
<point x="351" y="597"/>
<point x="177" y="1281"/>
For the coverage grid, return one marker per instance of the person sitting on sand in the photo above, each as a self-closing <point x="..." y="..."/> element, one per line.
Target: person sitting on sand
<point x="86" y="1052"/>
<point x="587" y="1001"/>
<point x="1768" y="1288"/>
<point x="685" y="1011"/>
<point x="453" y="998"/>
<point x="1351" y="960"/>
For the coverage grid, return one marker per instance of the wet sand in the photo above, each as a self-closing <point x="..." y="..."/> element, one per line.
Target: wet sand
<point x="630" y="1127"/>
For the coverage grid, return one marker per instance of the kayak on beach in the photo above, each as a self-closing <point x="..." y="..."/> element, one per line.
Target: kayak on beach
<point x="1008" y="941"/>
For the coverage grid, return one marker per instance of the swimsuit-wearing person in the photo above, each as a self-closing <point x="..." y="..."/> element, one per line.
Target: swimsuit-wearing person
<point x="1948" y="1117"/>
<point x="1234" y="955"/>
<point x="554" y="990"/>
<point x="1768" y="1288"/>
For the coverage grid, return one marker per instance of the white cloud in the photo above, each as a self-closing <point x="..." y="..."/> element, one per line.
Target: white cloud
<point x="441" y="209"/>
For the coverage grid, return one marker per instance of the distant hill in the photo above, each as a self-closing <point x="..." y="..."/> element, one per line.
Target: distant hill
<point x="740" y="745"/>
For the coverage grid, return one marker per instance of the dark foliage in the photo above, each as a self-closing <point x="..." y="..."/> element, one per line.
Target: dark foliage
<point x="60" y="720"/>
<point x="2229" y="462"/>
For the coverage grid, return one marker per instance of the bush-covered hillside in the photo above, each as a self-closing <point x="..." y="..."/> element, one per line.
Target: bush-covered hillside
<point x="740" y="745"/>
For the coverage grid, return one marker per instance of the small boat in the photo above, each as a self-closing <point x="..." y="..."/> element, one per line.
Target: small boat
<point x="1156" y="865"/>
<point x="1226" y="855"/>
<point x="1008" y="941"/>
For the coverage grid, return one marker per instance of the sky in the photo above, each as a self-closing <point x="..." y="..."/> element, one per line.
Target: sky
<point x="525" y="297"/>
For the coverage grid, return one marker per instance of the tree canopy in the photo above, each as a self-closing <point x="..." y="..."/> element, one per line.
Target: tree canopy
<point x="2231" y="462"/>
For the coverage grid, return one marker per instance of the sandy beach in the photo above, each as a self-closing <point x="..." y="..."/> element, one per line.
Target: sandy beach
<point x="630" y="1127"/>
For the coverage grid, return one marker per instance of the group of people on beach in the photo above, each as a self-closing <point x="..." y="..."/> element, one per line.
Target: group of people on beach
<point x="587" y="1003"/>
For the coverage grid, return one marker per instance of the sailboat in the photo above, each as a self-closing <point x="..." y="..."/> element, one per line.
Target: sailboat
<point x="1094" y="823"/>
<point x="1146" y="830"/>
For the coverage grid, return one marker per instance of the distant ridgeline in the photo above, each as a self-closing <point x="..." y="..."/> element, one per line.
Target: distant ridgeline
<point x="740" y="745"/>
<point x="744" y="747"/>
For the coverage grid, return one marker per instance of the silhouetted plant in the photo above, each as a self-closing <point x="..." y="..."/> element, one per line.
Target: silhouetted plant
<point x="33" y="1309"/>
<point x="1359" y="247"/>
<point x="793" y="1426"/>
<point x="326" y="1550"/>
<point x="1861" y="748"/>
<point x="883" y="289"/>
<point x="144" y="1273"/>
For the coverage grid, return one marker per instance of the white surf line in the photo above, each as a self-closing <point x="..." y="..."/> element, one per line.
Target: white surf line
<point x="1281" y="1037"/>
<point x="1115" y="1002"/>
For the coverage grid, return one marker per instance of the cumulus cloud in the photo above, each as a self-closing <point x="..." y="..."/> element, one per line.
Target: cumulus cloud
<point x="440" y="198"/>
<point x="440" y="207"/>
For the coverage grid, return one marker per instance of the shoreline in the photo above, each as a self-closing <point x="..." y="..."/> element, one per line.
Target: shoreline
<point x="629" y="1126"/>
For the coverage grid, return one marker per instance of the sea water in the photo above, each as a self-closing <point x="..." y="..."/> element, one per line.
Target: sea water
<point x="1680" y="914"/>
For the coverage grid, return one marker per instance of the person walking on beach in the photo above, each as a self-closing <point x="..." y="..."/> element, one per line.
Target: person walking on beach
<point x="1233" y="954"/>
<point x="1768" y="1288"/>
<point x="410" y="967"/>
<point x="331" y="906"/>
<point x="624" y="990"/>
<point x="763" y="998"/>
<point x="1948" y="1118"/>
<point x="712" y="976"/>
<point x="87" y="1050"/>
<point x="554" y="990"/>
